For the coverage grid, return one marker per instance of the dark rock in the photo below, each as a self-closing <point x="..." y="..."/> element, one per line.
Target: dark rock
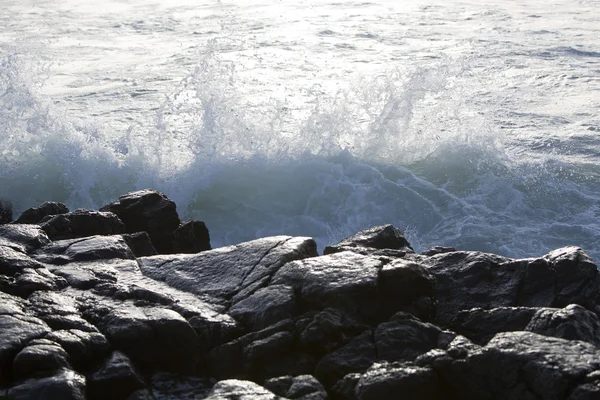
<point x="233" y="389"/>
<point x="466" y="280"/>
<point x="35" y="215"/>
<point x="116" y="379"/>
<point x="481" y="325"/>
<point x="85" y="349"/>
<point x="140" y="244"/>
<point x="58" y="311"/>
<point x="279" y="385"/>
<point x="345" y="388"/>
<point x="386" y="381"/>
<point x="572" y="322"/>
<point x="329" y="330"/>
<point x="32" y="280"/>
<point x="228" y="274"/>
<point x="81" y="223"/>
<point x="14" y="262"/>
<point x="404" y="338"/>
<point x="86" y="249"/>
<point x="264" y="349"/>
<point x="67" y="385"/>
<point x="6" y="211"/>
<point x="346" y="280"/>
<point x="192" y="237"/>
<point x="153" y="336"/>
<point x="306" y="387"/>
<point x="358" y="355"/>
<point x="407" y="286"/>
<point x="41" y="358"/>
<point x="379" y="237"/>
<point x="150" y="211"/>
<point x="228" y="360"/>
<point x="265" y="307"/>
<point x="17" y="328"/>
<point x="23" y="238"/>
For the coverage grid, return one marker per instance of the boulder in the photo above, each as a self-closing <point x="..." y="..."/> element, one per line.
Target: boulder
<point x="66" y="385"/>
<point x="17" y="328"/>
<point x="481" y="325"/>
<point x="40" y="358"/>
<point x="58" y="311"/>
<point x="23" y="238"/>
<point x="81" y="223"/>
<point x="346" y="280"/>
<point x="572" y="322"/>
<point x="228" y="274"/>
<point x="35" y="215"/>
<point x="265" y="307"/>
<point x="385" y="381"/>
<point x="92" y="248"/>
<point x="329" y="330"/>
<point x="116" y="379"/>
<point x="467" y="280"/>
<point x="305" y="387"/>
<point x="191" y="237"/>
<point x="358" y="355"/>
<point x="153" y="336"/>
<point x="85" y="349"/>
<point x="140" y="244"/>
<point x="150" y="211"/>
<point x="234" y="389"/>
<point x="385" y="237"/>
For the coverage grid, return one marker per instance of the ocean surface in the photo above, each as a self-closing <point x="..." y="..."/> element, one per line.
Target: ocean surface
<point x="472" y="124"/>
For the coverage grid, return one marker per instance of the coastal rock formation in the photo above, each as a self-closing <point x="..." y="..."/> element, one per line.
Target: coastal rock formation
<point x="94" y="305"/>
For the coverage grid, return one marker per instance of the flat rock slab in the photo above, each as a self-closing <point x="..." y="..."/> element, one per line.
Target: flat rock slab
<point x="229" y="274"/>
<point x="23" y="237"/>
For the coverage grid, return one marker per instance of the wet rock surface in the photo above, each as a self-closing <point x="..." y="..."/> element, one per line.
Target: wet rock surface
<point x="94" y="310"/>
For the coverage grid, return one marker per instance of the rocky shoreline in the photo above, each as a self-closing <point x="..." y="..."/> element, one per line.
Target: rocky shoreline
<point x="130" y="303"/>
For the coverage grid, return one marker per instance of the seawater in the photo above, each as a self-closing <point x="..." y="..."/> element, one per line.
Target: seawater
<point x="466" y="124"/>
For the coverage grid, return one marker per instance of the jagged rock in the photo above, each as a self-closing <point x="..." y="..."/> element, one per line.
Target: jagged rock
<point x="376" y="238"/>
<point x="153" y="336"/>
<point x="40" y="358"/>
<point x="17" y="328"/>
<point x="346" y="280"/>
<point x="116" y="379"/>
<point x="150" y="211"/>
<point x="404" y="338"/>
<point x="31" y="280"/>
<point x="466" y="280"/>
<point x="81" y="223"/>
<point x="345" y="388"/>
<point x="6" y="211"/>
<point x="85" y="349"/>
<point x="404" y="285"/>
<point x="234" y="389"/>
<point x="23" y="238"/>
<point x="58" y="311"/>
<point x="358" y="355"/>
<point x="67" y="385"/>
<point x="306" y="387"/>
<point x="140" y="244"/>
<point x="572" y="322"/>
<point x="35" y="215"/>
<point x="229" y="359"/>
<point x="385" y="381"/>
<point x="481" y="325"/>
<point x="84" y="249"/>
<point x="191" y="237"/>
<point x="228" y="274"/>
<point x="279" y="385"/>
<point x="328" y="330"/>
<point x="14" y="262"/>
<point x="265" y="307"/>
